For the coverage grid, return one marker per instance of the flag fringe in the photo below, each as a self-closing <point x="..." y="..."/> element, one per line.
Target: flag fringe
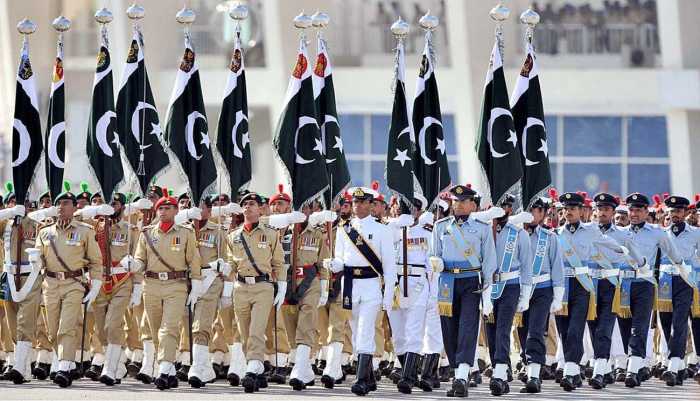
<point x="592" y="306"/>
<point x="518" y="319"/>
<point x="695" y="308"/>
<point x="445" y="309"/>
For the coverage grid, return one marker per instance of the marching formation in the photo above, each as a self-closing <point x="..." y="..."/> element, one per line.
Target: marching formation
<point x="434" y="286"/>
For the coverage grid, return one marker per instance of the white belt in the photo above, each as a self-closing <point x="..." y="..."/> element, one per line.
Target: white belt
<point x="23" y="268"/>
<point x="541" y="278"/>
<point x="119" y="270"/>
<point x="412" y="270"/>
<point x="641" y="273"/>
<point x="604" y="273"/>
<point x="507" y="276"/>
<point x="670" y="269"/>
<point x="575" y="271"/>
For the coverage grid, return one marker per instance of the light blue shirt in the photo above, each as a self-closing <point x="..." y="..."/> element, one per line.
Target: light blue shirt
<point x="624" y="238"/>
<point x="587" y="239"/>
<point x="687" y="242"/>
<point x="650" y="238"/>
<point x="521" y="255"/>
<point x="552" y="261"/>
<point x="477" y="235"/>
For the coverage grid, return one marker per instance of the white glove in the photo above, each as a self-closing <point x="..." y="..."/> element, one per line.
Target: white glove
<point x="334" y="265"/>
<point x="95" y="286"/>
<point x="524" y="298"/>
<point x="184" y="215"/>
<point x="426" y="218"/>
<point x="195" y="293"/>
<point x="17" y="211"/>
<point x="487" y="215"/>
<point x="130" y="263"/>
<point x="323" y="216"/>
<point x="521" y="218"/>
<point x="278" y="220"/>
<point x="404" y="220"/>
<point x="225" y="210"/>
<point x="388" y="300"/>
<point x="486" y="303"/>
<point x="133" y="207"/>
<point x="42" y="214"/>
<point x="136" y="295"/>
<point x="90" y="212"/>
<point x="281" y="291"/>
<point x="224" y="267"/>
<point x="33" y="255"/>
<point x="557" y="299"/>
<point x="297" y="217"/>
<point x="436" y="263"/>
<point x="324" y="293"/>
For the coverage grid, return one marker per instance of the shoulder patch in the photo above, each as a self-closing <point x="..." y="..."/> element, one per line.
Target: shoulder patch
<point x="85" y="225"/>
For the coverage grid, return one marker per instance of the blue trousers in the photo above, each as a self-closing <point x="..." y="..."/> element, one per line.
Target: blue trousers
<point x="498" y="332"/>
<point x="535" y="322"/>
<point x="682" y="298"/>
<point x="572" y="327"/>
<point x="634" y="330"/>
<point x="601" y="329"/>
<point x="460" y="331"/>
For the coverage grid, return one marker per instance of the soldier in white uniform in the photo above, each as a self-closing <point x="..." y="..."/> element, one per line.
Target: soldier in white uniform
<point x="364" y="251"/>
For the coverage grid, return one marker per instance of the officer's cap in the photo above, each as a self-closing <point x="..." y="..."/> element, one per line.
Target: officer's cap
<point x="637" y="200"/>
<point x="605" y="199"/>
<point x="119" y="197"/>
<point x="677" y="202"/>
<point x="571" y="199"/>
<point x="254" y="196"/>
<point x="361" y="193"/>
<point x="540" y="203"/>
<point x="462" y="192"/>
<point x="507" y="200"/>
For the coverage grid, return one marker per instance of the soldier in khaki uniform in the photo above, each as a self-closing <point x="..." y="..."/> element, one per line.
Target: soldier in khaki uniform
<point x="66" y="248"/>
<point x="307" y="290"/>
<point x="255" y="254"/>
<point x="121" y="288"/>
<point x="167" y="252"/>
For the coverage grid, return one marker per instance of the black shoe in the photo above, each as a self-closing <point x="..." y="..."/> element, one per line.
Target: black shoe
<point x="75" y="374"/>
<point x="568" y="383"/>
<point x="488" y="372"/>
<point x="297" y="385"/>
<point x="533" y="385"/>
<point x="475" y="379"/>
<point x="558" y="375"/>
<point x="597" y="382"/>
<point x="578" y="381"/>
<point x="277" y="376"/>
<point x="233" y="379"/>
<point x="588" y="371"/>
<point x="52" y="375"/>
<point x="395" y="375"/>
<point x="144" y="378"/>
<point x="498" y="387"/>
<point x="620" y="375"/>
<point x="384" y="368"/>
<point x="250" y="382"/>
<point x="631" y="380"/>
<point x="261" y="382"/>
<point x="63" y="379"/>
<point x="181" y="373"/>
<point x="546" y="373"/>
<point x="41" y="371"/>
<point x="509" y="374"/>
<point x="328" y="382"/>
<point x="656" y="370"/>
<point x="195" y="382"/>
<point x="644" y="374"/>
<point x="219" y="373"/>
<point x="670" y="378"/>
<point x="608" y="378"/>
<point x="16" y="377"/>
<point x="444" y="374"/>
<point x="133" y="368"/>
<point x="94" y="372"/>
<point x="162" y="382"/>
<point x="267" y="367"/>
<point x="106" y="380"/>
<point x="522" y="375"/>
<point x="173" y="381"/>
<point x="460" y="388"/>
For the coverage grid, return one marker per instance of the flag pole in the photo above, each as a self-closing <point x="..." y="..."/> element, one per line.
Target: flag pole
<point x="61" y="24"/>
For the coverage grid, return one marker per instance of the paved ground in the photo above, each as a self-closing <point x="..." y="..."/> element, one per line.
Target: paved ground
<point x="131" y="390"/>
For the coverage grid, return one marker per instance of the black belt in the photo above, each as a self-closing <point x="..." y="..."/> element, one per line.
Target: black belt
<point x="361" y="272"/>
<point x="399" y="271"/>
<point x="350" y="273"/>
<point x="164" y="276"/>
<point x="64" y="275"/>
<point x="256" y="279"/>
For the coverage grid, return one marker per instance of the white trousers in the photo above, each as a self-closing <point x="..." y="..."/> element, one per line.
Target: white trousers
<point x="366" y="303"/>
<point x="409" y="320"/>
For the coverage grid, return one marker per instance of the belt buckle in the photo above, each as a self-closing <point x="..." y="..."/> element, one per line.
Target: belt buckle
<point x="356" y="272"/>
<point x="163" y="276"/>
<point x="249" y="280"/>
<point x="61" y="275"/>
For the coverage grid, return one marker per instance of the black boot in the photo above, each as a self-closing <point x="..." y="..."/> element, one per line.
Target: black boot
<point x="644" y="374"/>
<point x="568" y="383"/>
<point x="94" y="372"/>
<point x="278" y="375"/>
<point x="63" y="379"/>
<point x="597" y="382"/>
<point x="233" y="379"/>
<point x="445" y="373"/>
<point x="546" y="373"/>
<point x="429" y="378"/>
<point x="364" y="371"/>
<point x="162" y="382"/>
<point x="41" y="371"/>
<point x="250" y="382"/>
<point x="395" y="374"/>
<point x="133" y="368"/>
<point x="533" y="385"/>
<point x="670" y="378"/>
<point x="620" y="375"/>
<point x="409" y="375"/>
<point x="631" y="380"/>
<point x="498" y="386"/>
<point x="474" y="378"/>
<point x="460" y="388"/>
<point x="16" y="377"/>
<point x="558" y="375"/>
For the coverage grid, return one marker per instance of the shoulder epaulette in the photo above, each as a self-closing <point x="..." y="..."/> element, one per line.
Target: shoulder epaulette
<point x="87" y="225"/>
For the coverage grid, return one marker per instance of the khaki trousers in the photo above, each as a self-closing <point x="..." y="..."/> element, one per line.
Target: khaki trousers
<point x="282" y="337"/>
<point x="203" y="318"/>
<point x="132" y="317"/>
<point x="301" y="321"/>
<point x="253" y="303"/>
<point x="42" y="333"/>
<point x="64" y="313"/>
<point x="22" y="316"/>
<point x="109" y="311"/>
<point x="164" y="302"/>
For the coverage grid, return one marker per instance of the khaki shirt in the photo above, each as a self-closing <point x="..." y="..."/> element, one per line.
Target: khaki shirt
<point x="210" y="242"/>
<point x="264" y="244"/>
<point x="311" y="248"/>
<point x="9" y="239"/>
<point x="76" y="245"/>
<point x="121" y="244"/>
<point x="177" y="247"/>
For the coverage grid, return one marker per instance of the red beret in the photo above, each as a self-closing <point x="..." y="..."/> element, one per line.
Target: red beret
<point x="165" y="200"/>
<point x="280" y="195"/>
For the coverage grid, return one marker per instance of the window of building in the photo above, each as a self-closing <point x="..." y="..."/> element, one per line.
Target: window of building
<point x="609" y="153"/>
<point x="365" y="138"/>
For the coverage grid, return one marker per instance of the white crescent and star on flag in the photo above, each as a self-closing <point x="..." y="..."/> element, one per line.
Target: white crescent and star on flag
<point x="25" y="142"/>
<point x="245" y="138"/>
<point x="189" y="134"/>
<point x="497" y="112"/>
<point x="303" y="121"/>
<point x="52" y="144"/>
<point x="531" y="122"/>
<point x="101" y="133"/>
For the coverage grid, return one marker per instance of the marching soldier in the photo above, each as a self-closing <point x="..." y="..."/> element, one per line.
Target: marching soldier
<point x="255" y="255"/>
<point x="307" y="290"/>
<point x="166" y="252"/>
<point x="605" y="271"/>
<point x="547" y="295"/>
<point x="463" y="250"/>
<point x="121" y="289"/>
<point x="365" y="253"/>
<point x="64" y="249"/>
<point x="676" y="285"/>
<point x="510" y="292"/>
<point x="638" y="288"/>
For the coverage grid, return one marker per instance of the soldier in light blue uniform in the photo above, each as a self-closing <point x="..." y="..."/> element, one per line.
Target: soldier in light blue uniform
<point x="637" y="293"/>
<point x="510" y="291"/>
<point x="695" y="309"/>
<point x="676" y="284"/>
<point x="579" y="243"/>
<point x="605" y="271"/>
<point x="463" y="250"/>
<point x="548" y="281"/>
